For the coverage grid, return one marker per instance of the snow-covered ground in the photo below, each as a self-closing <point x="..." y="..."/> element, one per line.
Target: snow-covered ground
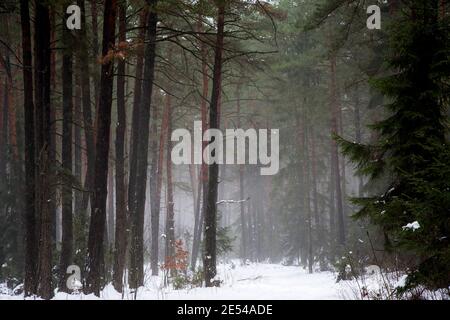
<point x="254" y="281"/>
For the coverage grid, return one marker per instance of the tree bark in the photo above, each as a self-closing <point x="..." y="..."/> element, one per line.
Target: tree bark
<point x="98" y="207"/>
<point x="170" y="222"/>
<point x="357" y="117"/>
<point x="120" y="244"/>
<point x="31" y="249"/>
<point x="43" y="146"/>
<point x="210" y="226"/>
<point x="138" y="205"/>
<point x="334" y="152"/>
<point x="67" y="223"/>
<point x="88" y="126"/>
<point x="95" y="52"/>
<point x="241" y="184"/>
<point x="136" y="111"/>
<point x="77" y="140"/>
<point x="203" y="174"/>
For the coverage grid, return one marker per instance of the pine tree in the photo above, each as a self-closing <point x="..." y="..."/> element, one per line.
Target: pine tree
<point x="411" y="155"/>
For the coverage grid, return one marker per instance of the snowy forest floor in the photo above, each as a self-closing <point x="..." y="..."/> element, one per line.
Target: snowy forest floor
<point x="259" y="281"/>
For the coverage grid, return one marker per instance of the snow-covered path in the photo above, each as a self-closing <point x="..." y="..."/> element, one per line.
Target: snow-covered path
<point x="253" y="282"/>
<point x="266" y="281"/>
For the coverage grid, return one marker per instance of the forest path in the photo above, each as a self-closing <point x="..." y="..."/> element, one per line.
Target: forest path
<point x="256" y="281"/>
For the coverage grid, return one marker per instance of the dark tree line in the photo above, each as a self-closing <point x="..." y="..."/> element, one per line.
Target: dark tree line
<point x="85" y="140"/>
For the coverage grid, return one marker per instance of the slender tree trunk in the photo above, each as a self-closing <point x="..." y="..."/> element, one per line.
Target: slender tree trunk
<point x="67" y="224"/>
<point x="77" y="140"/>
<point x="95" y="51"/>
<point x="164" y="137"/>
<point x="136" y="112"/>
<point x="203" y="174"/>
<point x="53" y="200"/>
<point x="31" y="248"/>
<point x="307" y="196"/>
<point x="210" y="227"/>
<point x="134" y="136"/>
<point x="156" y="177"/>
<point x="155" y="197"/>
<point x="357" y="116"/>
<point x="342" y="163"/>
<point x="241" y="184"/>
<point x="170" y="222"/>
<point x="88" y="126"/>
<point x="98" y="207"/>
<point x="138" y="207"/>
<point x="110" y="209"/>
<point x="334" y="152"/>
<point x="317" y="216"/>
<point x="43" y="145"/>
<point x="121" y="206"/>
<point x="3" y="131"/>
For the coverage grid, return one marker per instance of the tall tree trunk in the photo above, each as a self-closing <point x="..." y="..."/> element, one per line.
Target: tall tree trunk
<point x="53" y="200"/>
<point x="357" y="117"/>
<point x="334" y="152"/>
<point x="318" y="221"/>
<point x="155" y="198"/>
<point x="241" y="184"/>
<point x="43" y="146"/>
<point x="98" y="207"/>
<point x="3" y="131"/>
<point x="120" y="244"/>
<point x="138" y="205"/>
<point x="31" y="248"/>
<point x="307" y="195"/>
<point x="164" y="137"/>
<point x="95" y="51"/>
<point x="88" y="126"/>
<point x="170" y="222"/>
<point x="342" y="161"/>
<point x="67" y="224"/>
<point x="210" y="227"/>
<point x="136" y="111"/>
<point x="109" y="231"/>
<point x="203" y="174"/>
<point x="77" y="141"/>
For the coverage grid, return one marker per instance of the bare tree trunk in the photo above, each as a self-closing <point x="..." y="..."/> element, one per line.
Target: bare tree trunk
<point x="318" y="221"/>
<point x="3" y="131"/>
<point x="210" y="227"/>
<point x="241" y="184"/>
<point x="334" y="152"/>
<point x="120" y="244"/>
<point x="165" y="138"/>
<point x="307" y="196"/>
<point x="77" y="140"/>
<point x="170" y="222"/>
<point x="88" y="125"/>
<point x="138" y="206"/>
<point x="203" y="174"/>
<point x="357" y="117"/>
<point x="98" y="207"/>
<point x="43" y="146"/>
<point x="109" y="230"/>
<point x="67" y="224"/>
<point x="31" y="244"/>
<point x="136" y="113"/>
<point x="53" y="201"/>
<point x="95" y="51"/>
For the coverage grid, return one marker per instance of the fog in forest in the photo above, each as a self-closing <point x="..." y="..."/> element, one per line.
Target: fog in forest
<point x="343" y="108"/>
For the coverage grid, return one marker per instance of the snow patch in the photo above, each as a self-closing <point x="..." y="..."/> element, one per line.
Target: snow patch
<point x="412" y="226"/>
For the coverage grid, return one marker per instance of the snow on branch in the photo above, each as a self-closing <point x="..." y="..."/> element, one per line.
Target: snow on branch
<point x="232" y="201"/>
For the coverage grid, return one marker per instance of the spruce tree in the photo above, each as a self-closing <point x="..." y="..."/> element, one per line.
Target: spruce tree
<point x="411" y="156"/>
